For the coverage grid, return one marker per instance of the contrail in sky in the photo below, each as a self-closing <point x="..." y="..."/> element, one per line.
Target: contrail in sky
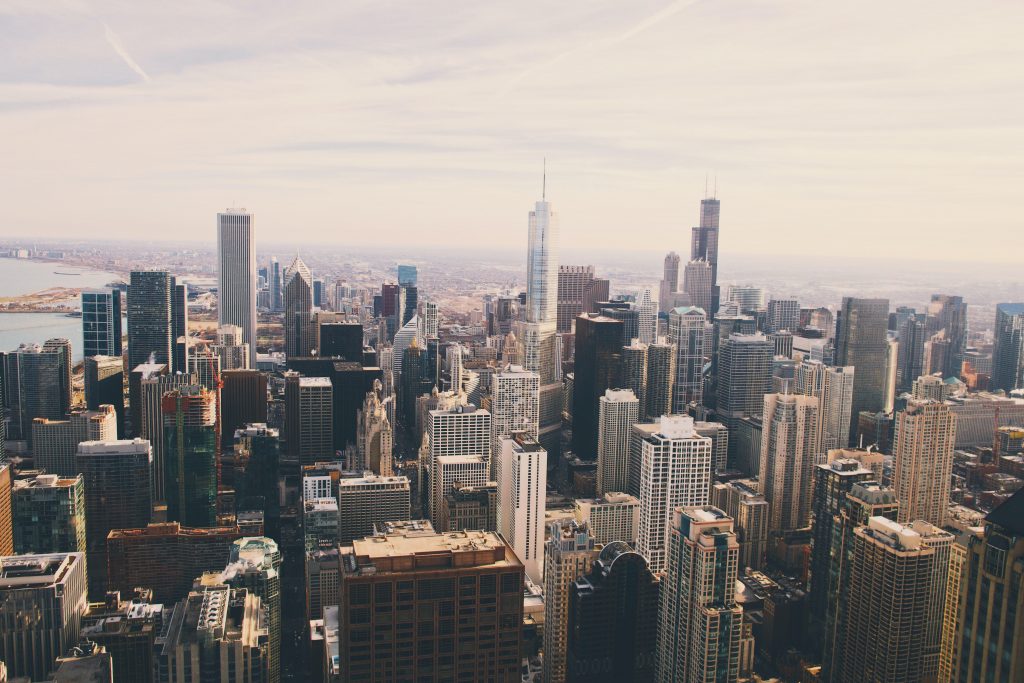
<point x="115" y="43"/>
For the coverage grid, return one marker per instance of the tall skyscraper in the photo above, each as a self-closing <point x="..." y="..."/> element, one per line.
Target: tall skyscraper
<point x="298" y="310"/>
<point x="42" y="599"/>
<point x="117" y="476"/>
<point x="948" y="315"/>
<point x="37" y="383"/>
<point x="861" y="342"/>
<point x="910" y="355"/>
<point x="661" y="378"/>
<point x="598" y="368"/>
<point x="254" y="564"/>
<point x="309" y="418"/>
<point x="697" y="284"/>
<point x="699" y="621"/>
<point x="153" y="383"/>
<point x="568" y="554"/>
<point x="190" y="455"/>
<point x="179" y="326"/>
<point x="55" y="441"/>
<point x="990" y="633"/>
<point x="613" y="620"/>
<point x="783" y="314"/>
<point x="101" y="322"/>
<point x="276" y="285"/>
<point x="833" y="387"/>
<point x="686" y="331"/>
<point x="515" y="404"/>
<point x="1008" y="352"/>
<point x="243" y="401"/>
<point x="230" y="349"/>
<point x="749" y="512"/>
<point x="48" y="515"/>
<point x="704" y="244"/>
<point x="634" y="373"/>
<point x="572" y="282"/>
<point x="104" y="385"/>
<point x="669" y="282"/>
<point x="789" y="450"/>
<point x="150" y="334"/>
<point x="675" y="470"/>
<point x="923" y="453"/>
<point x="522" y="473"/>
<point x="744" y="377"/>
<point x="619" y="410"/>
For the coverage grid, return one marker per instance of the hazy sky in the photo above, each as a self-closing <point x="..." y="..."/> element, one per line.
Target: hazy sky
<point x="867" y="127"/>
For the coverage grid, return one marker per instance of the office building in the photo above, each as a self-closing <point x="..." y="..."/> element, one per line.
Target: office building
<point x="743" y="378"/>
<point x="309" y="418"/>
<point x="947" y="314"/>
<point x="699" y="622"/>
<point x="101" y="322"/>
<point x="598" y="368"/>
<point x="165" y="557"/>
<point x="104" y="385"/>
<point x="231" y="350"/>
<point x="460" y="575"/>
<point x="861" y="342"/>
<point x="789" y="451"/>
<point x="48" y="515"/>
<point x="117" y="476"/>
<point x="634" y="373"/>
<point x="54" y="442"/>
<point x="366" y="501"/>
<point x="615" y="516"/>
<point x="913" y="333"/>
<point x="618" y="411"/>
<point x="462" y="430"/>
<point x="179" y="326"/>
<point x="37" y="383"/>
<point x="748" y="509"/>
<point x="1008" y="351"/>
<point x="42" y="599"/>
<point x="687" y="327"/>
<point x="521" y="473"/>
<point x="298" y="310"/>
<point x="151" y="336"/>
<point x="6" y="520"/>
<point x="449" y="471"/>
<point x="612" y="625"/>
<point x="153" y="382"/>
<point x="833" y="387"/>
<point x="698" y="285"/>
<point x="748" y="298"/>
<point x="669" y="282"/>
<point x="254" y="564"/>
<point x="569" y="552"/>
<point x="127" y="630"/>
<point x="572" y="282"/>
<point x="675" y="471"/>
<point x="923" y="453"/>
<point x="990" y="631"/>
<point x="243" y="401"/>
<point x="190" y="455"/>
<point x="236" y="273"/>
<point x="647" y="314"/>
<point x="661" y="378"/>
<point x="470" y="507"/>
<point x="783" y="314"/>
<point x="704" y="243"/>
<point x="515" y="404"/>
<point x="217" y="633"/>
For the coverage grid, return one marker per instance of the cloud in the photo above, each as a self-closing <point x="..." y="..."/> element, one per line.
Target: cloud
<point x="115" y="43"/>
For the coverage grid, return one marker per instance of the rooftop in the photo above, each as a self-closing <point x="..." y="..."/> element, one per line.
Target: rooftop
<point x="403" y="552"/>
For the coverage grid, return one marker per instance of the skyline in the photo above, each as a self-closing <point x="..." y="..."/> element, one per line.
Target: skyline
<point x="363" y="119"/>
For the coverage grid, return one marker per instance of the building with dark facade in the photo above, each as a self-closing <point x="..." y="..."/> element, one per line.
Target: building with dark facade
<point x="190" y="455"/>
<point x="104" y="385"/>
<point x="101" y="322"/>
<point x="243" y="397"/>
<point x="861" y="342"/>
<point x="598" y="368"/>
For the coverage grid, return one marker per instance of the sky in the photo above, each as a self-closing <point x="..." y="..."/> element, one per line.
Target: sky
<point x="864" y="128"/>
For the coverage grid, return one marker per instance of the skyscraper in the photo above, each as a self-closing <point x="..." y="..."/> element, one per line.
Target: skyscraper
<point x="104" y="385"/>
<point x="521" y="472"/>
<point x="48" y="515"/>
<point x="910" y="355"/>
<point x="686" y="329"/>
<point x="598" y="368"/>
<point x="572" y="282"/>
<point x="783" y="314"/>
<point x="298" y="310"/>
<point x="612" y="517"/>
<point x="699" y="621"/>
<point x="669" y="282"/>
<point x="789" y="450"/>
<point x="6" y="521"/>
<point x="634" y="373"/>
<point x="542" y="264"/>
<point x="150" y="335"/>
<point x="230" y="349"/>
<point x="833" y="387"/>
<point x="749" y="512"/>
<point x="647" y="316"/>
<point x="152" y="386"/>
<point x="1008" y="352"/>
<point x="101" y="322"/>
<point x="117" y="476"/>
<point x="243" y="401"/>
<point x="55" y="441"/>
<point x="309" y="418"/>
<point x="37" y="383"/>
<point x="276" y="285"/>
<point x="568" y="555"/>
<point x="179" y="326"/>
<point x="948" y="314"/>
<point x="254" y="564"/>
<point x="190" y="455"/>
<point x="697" y="284"/>
<point x="618" y="411"/>
<point x="366" y="501"/>
<point x="744" y="377"/>
<point x="861" y="342"/>
<point x="661" y="378"/>
<point x="515" y="404"/>
<point x="923" y="453"/>
<point x="675" y="470"/>
<point x="704" y="244"/>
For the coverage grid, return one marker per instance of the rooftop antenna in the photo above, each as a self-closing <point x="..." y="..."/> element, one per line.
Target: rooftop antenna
<point x="544" y="183"/>
<point x="705" y="185"/>
<point x="716" y="187"/>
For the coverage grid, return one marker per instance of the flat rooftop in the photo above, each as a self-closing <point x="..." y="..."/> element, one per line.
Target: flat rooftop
<point x="411" y="552"/>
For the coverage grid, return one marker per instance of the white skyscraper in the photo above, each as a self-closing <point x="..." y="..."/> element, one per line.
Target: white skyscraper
<point x="675" y="470"/>
<point x="923" y="452"/>
<point x="542" y="264"/>
<point x="448" y="470"/>
<point x="465" y="430"/>
<point x="833" y="387"/>
<point x="515" y="404"/>
<point x="236" y="274"/>
<point x="522" y="475"/>
<point x="618" y="411"/>
<point x="647" y="317"/>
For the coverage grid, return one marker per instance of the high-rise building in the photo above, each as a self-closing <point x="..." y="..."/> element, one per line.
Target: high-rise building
<point x="789" y="451"/>
<point x="236" y="274"/>
<point x="190" y="455"/>
<point x="923" y="452"/>
<point x="150" y="383"/>
<point x="615" y="516"/>
<point x="618" y="411"/>
<point x="276" y="285"/>
<point x="48" y="514"/>
<point x="569" y="552"/>
<point x="948" y="314"/>
<point x="990" y="630"/>
<point x="448" y="472"/>
<point x="572" y="281"/>
<point x="470" y="507"/>
<point x="698" y="285"/>
<point x="165" y="557"/>
<point x="699" y="621"/>
<point x="613" y="620"/>
<point x="309" y="418"/>
<point x="783" y="314"/>
<point x="743" y="378"/>
<point x="254" y="564"/>
<point x="374" y="435"/>
<point x="913" y="333"/>
<point x="542" y="264"/>
<point x="150" y="333"/>
<point x="661" y="378"/>
<point x="117" y="478"/>
<point x="893" y="578"/>
<point x="515" y="404"/>
<point x="243" y="401"/>
<point x="669" y="282"/>
<point x="704" y="242"/>
<point x="54" y="442"/>
<point x="468" y="572"/>
<point x="101" y="322"/>
<point x="127" y="629"/>
<point x="521" y="471"/>
<point x="179" y="326"/>
<point x="299" y="332"/>
<point x="598" y="368"/>
<point x="6" y="521"/>
<point x="675" y="471"/>
<point x="37" y="383"/>
<point x="104" y="385"/>
<point x="42" y="599"/>
<point x="747" y="297"/>
<point x="462" y="430"/>
<point x="861" y="342"/>
<point x="833" y="387"/>
<point x="686" y="331"/>
<point x="217" y="633"/>
<point x="634" y="373"/>
<point x="230" y="349"/>
<point x="371" y="499"/>
<point x="1008" y="351"/>
<point x="647" y="317"/>
<point x="749" y="511"/>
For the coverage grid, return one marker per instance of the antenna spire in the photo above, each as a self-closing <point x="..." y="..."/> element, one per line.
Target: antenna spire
<point x="716" y="186"/>
<point x="544" y="182"/>
<point x="705" y="184"/>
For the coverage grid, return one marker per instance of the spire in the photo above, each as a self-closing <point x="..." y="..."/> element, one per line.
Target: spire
<point x="544" y="182"/>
